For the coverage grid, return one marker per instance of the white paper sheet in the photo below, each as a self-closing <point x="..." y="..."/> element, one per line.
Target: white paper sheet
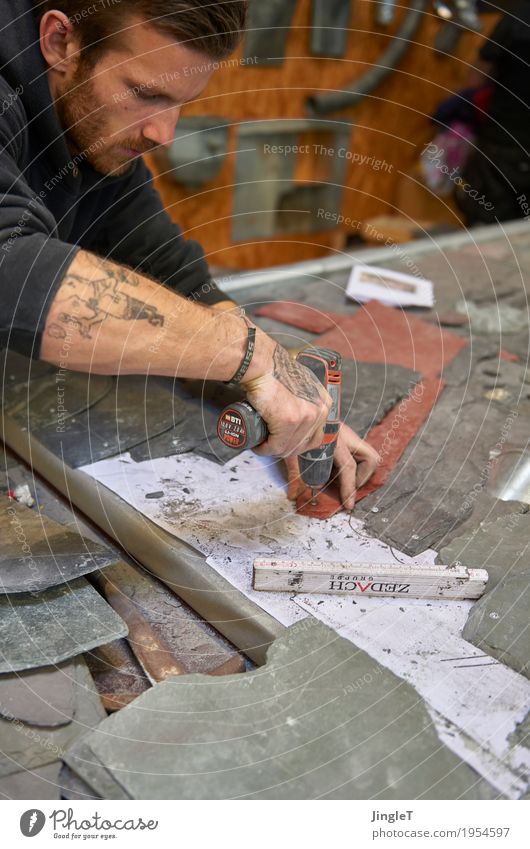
<point x="235" y="513"/>
<point x="391" y="288"/>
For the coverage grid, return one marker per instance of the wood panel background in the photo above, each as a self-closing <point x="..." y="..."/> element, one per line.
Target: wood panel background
<point x="390" y="125"/>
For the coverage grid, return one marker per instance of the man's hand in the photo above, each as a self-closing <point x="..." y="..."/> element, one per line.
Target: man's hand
<point x="355" y="462"/>
<point x="293" y="403"/>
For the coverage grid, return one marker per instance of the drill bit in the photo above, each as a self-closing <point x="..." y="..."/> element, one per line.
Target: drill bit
<point x="314" y="493"/>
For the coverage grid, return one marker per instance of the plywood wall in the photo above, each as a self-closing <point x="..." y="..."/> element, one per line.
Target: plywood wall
<point x="392" y="126"/>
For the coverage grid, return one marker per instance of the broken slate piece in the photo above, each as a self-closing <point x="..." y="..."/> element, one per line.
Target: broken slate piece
<point x="434" y="489"/>
<point x="25" y="746"/>
<point x="42" y="629"/>
<point x="73" y="787"/>
<point x="38" y="553"/>
<point x="40" y="697"/>
<point x="301" y="727"/>
<point x="371" y="390"/>
<point x="498" y="623"/>
<point x="379" y="334"/>
<point x="40" y="783"/>
<point x="89" y="769"/>
<point x="502" y="547"/>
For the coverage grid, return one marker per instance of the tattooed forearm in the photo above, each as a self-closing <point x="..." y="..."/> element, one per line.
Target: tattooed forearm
<point x="85" y="302"/>
<point x="118" y="273"/>
<point x="295" y="377"/>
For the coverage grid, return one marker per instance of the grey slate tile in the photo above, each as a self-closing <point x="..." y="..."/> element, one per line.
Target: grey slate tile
<point x="499" y="623"/>
<point x="88" y="768"/>
<point x="298" y="728"/>
<point x="25" y="747"/>
<point x="43" y="697"/>
<point x="42" y="629"/>
<point x="38" y="553"/>
<point x="40" y="783"/>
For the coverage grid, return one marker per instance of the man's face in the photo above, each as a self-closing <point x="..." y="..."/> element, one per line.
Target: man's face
<point x="129" y="102"/>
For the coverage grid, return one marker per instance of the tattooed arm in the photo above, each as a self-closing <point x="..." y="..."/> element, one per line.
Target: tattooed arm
<point x="106" y="319"/>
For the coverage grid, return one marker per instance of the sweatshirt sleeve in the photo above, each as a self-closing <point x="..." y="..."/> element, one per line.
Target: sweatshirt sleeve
<point x="137" y="231"/>
<point x="33" y="261"/>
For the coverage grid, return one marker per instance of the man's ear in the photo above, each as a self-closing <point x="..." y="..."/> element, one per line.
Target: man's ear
<point x="58" y="41"/>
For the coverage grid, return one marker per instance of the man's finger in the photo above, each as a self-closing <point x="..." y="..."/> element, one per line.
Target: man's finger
<point x="347" y="469"/>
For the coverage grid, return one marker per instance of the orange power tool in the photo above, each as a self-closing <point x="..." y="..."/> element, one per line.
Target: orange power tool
<point x="241" y="427"/>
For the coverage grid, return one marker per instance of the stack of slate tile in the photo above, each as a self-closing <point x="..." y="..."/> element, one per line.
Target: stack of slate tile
<point x="49" y="615"/>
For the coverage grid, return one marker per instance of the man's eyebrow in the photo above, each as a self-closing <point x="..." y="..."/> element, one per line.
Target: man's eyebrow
<point x="152" y="88"/>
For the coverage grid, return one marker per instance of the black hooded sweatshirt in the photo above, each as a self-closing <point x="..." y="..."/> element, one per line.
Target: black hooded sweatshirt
<point x="53" y="204"/>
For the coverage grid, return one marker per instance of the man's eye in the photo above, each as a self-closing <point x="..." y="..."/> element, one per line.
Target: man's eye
<point x="144" y="96"/>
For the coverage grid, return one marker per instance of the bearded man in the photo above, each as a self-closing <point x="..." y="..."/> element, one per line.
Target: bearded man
<point x="87" y="251"/>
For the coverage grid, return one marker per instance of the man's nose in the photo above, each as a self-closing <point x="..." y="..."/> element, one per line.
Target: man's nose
<point x="161" y="130"/>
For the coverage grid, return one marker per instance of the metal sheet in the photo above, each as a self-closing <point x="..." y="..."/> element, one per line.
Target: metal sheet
<point x="42" y="629"/>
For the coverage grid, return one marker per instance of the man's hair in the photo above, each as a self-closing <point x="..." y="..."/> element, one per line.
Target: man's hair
<point x="212" y="27"/>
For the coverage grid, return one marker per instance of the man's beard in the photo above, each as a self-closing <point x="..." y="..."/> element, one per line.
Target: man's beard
<point x="86" y="126"/>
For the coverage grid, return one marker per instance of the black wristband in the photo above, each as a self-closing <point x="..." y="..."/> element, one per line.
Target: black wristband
<point x="249" y="353"/>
